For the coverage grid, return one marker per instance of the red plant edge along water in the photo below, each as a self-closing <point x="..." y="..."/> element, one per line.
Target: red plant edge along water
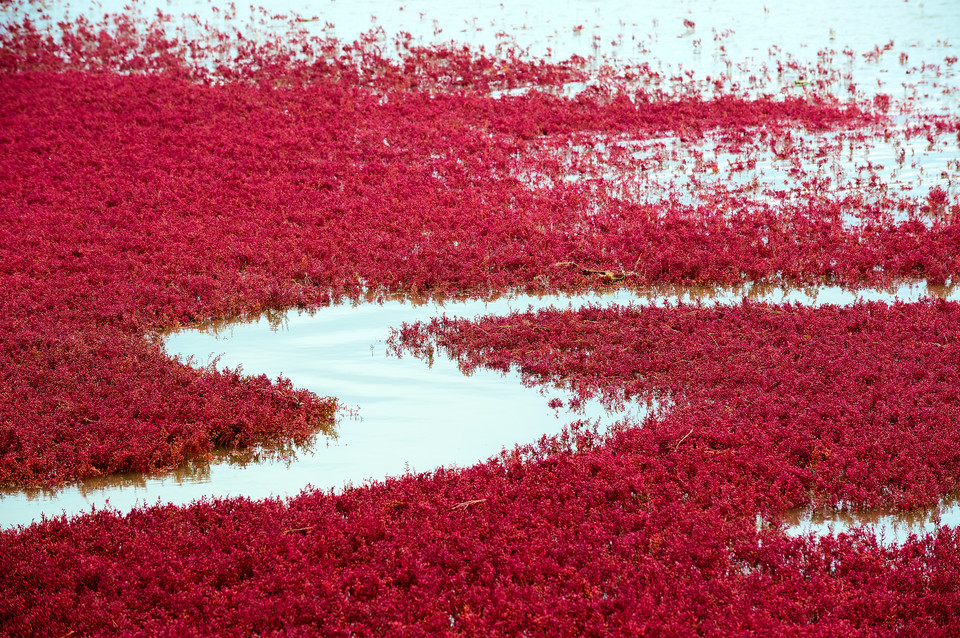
<point x="142" y="190"/>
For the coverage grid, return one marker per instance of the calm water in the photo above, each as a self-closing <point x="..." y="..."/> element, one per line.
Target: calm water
<point x="890" y="527"/>
<point x="400" y="415"/>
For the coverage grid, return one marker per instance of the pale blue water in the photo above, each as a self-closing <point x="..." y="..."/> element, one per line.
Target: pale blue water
<point x="401" y="414"/>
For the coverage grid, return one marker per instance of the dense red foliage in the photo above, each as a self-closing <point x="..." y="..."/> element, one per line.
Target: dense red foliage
<point x="646" y="532"/>
<point x="137" y="202"/>
<point x="148" y="181"/>
<point x="827" y="405"/>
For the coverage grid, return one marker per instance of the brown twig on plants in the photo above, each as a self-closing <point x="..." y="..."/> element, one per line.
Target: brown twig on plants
<point x="466" y="504"/>
<point x="611" y="276"/>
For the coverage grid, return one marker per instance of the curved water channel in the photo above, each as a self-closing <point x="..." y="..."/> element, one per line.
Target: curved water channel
<point x="402" y="414"/>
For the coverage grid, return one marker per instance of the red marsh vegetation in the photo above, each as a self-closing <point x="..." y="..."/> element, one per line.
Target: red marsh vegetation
<point x="149" y="180"/>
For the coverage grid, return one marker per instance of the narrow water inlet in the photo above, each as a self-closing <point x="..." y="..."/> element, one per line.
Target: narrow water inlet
<point x="402" y="415"/>
<point x="890" y="527"/>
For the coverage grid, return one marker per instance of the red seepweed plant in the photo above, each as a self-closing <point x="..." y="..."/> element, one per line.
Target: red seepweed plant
<point x="150" y="179"/>
<point x="845" y="405"/>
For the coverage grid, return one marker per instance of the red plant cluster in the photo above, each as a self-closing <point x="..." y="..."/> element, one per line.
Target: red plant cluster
<point x="826" y="406"/>
<point x="193" y="50"/>
<point x="149" y="180"/>
<point x="138" y="202"/>
<point x="649" y="532"/>
<point x="106" y="402"/>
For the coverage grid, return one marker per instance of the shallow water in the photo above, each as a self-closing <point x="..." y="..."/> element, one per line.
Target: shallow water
<point x="890" y="527"/>
<point x="870" y="168"/>
<point x="400" y="414"/>
<point x="742" y="39"/>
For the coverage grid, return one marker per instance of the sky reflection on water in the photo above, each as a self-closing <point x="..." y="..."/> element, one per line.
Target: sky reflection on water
<point x="400" y="414"/>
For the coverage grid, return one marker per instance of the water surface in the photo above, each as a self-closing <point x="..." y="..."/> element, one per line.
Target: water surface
<point x="399" y="414"/>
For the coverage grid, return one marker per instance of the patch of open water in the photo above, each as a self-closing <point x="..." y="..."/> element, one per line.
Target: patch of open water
<point x="400" y="414"/>
<point x="891" y="527"/>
